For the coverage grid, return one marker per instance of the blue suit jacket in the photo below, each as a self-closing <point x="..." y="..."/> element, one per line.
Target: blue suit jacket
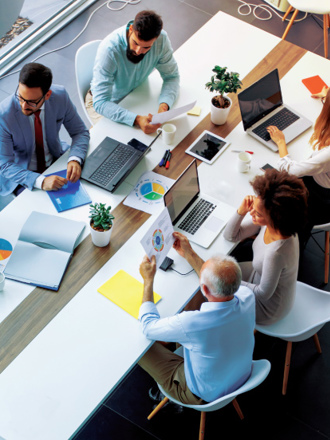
<point x="16" y="142"/>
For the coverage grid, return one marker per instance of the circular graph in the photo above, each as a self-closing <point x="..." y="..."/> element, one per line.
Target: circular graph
<point x="5" y="249"/>
<point x="158" y="240"/>
<point x="152" y="190"/>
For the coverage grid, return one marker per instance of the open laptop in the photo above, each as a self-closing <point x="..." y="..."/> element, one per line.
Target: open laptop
<point x="195" y="215"/>
<point x="262" y="105"/>
<point x="112" y="161"/>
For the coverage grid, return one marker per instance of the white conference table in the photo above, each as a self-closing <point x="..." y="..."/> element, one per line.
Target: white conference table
<point x="53" y="385"/>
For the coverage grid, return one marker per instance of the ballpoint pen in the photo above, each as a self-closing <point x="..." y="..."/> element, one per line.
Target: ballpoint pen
<point x="242" y="151"/>
<point x="163" y="161"/>
<point x="168" y="160"/>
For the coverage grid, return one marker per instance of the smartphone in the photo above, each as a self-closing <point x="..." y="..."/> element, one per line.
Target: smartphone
<point x="266" y="167"/>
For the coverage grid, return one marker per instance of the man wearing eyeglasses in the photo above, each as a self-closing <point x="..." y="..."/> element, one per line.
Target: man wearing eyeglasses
<point x="30" y="121"/>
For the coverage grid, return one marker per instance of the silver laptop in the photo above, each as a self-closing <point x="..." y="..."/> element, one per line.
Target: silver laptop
<point x="109" y="164"/>
<point x="195" y="215"/>
<point x="262" y="105"/>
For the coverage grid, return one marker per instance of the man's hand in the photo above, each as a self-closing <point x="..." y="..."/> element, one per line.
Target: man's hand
<point x="246" y="205"/>
<point x="182" y="245"/>
<point x="163" y="107"/>
<point x="144" y="122"/>
<point x="148" y="268"/>
<point x="73" y="171"/>
<point x="53" y="183"/>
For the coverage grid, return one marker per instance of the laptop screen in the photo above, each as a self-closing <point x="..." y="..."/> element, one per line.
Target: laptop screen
<point x="183" y="192"/>
<point x="260" y="99"/>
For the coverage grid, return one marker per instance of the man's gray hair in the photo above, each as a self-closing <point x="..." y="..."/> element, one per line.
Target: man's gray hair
<point x="222" y="277"/>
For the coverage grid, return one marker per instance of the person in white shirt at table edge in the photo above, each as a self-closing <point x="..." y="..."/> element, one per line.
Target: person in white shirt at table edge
<point x="124" y="60"/>
<point x="217" y="340"/>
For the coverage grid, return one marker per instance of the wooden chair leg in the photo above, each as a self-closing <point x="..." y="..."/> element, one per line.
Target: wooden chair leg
<point x="317" y="343"/>
<point x="287" y="12"/>
<point x="287" y="367"/>
<point x="158" y="407"/>
<point x="202" y="425"/>
<point x="294" y="15"/>
<point x="325" y="33"/>
<point x="326" y="257"/>
<point x="238" y="409"/>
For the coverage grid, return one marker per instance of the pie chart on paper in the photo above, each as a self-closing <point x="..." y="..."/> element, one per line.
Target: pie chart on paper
<point x="152" y="190"/>
<point x="5" y="249"/>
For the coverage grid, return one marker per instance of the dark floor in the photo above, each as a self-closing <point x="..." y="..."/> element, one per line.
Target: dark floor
<point x="303" y="412"/>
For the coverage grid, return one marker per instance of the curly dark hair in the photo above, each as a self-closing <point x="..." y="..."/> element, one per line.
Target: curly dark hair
<point x="148" y="25"/>
<point x="284" y="197"/>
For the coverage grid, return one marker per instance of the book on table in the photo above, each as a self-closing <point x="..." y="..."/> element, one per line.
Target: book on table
<point x="43" y="250"/>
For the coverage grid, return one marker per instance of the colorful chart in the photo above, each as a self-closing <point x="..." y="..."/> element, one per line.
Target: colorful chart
<point x="152" y="190"/>
<point x="5" y="249"/>
<point x="158" y="240"/>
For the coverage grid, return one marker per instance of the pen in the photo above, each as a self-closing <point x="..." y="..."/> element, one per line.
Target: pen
<point x="163" y="161"/>
<point x="168" y="160"/>
<point x="241" y="151"/>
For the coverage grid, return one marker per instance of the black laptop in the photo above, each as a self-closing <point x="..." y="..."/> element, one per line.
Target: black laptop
<point x="112" y="161"/>
<point x="262" y="105"/>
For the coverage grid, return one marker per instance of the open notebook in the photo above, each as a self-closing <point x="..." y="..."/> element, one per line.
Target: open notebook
<point x="43" y="250"/>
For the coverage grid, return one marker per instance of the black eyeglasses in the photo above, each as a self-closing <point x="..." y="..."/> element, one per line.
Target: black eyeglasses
<point x="32" y="104"/>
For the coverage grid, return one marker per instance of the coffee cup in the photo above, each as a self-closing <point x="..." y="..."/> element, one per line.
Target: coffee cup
<point x="168" y="133"/>
<point x="2" y="281"/>
<point x="244" y="162"/>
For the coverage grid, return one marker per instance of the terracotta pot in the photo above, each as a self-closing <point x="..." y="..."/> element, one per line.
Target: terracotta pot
<point x="219" y="115"/>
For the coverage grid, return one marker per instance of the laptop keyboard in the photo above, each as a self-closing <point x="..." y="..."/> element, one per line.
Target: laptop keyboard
<point x="281" y="120"/>
<point x="112" y="165"/>
<point x="197" y="216"/>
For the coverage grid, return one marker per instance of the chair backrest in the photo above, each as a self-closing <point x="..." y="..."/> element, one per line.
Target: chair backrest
<point x="312" y="6"/>
<point x="310" y="311"/>
<point x="84" y="63"/>
<point x="260" y="370"/>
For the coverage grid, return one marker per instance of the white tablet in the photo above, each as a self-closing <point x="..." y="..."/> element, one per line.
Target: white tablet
<point x="208" y="147"/>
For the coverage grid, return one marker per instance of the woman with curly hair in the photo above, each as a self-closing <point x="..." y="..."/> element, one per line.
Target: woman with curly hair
<point x="278" y="212"/>
<point x="315" y="170"/>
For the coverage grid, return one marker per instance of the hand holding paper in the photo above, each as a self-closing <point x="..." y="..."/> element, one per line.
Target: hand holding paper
<point x="161" y="118"/>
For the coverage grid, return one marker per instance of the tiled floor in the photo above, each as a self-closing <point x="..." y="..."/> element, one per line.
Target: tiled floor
<point x="303" y="412"/>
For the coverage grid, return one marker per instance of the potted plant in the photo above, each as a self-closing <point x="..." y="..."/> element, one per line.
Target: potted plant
<point x="100" y="224"/>
<point x="222" y="82"/>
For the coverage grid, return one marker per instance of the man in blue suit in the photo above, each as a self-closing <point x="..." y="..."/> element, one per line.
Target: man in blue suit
<point x="30" y="121"/>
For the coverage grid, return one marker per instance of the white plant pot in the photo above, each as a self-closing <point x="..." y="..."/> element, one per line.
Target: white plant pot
<point x="219" y="115"/>
<point x="101" y="238"/>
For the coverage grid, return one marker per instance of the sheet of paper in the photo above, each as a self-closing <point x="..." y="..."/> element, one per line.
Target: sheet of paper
<point x="159" y="238"/>
<point x="126" y="292"/>
<point x="161" y="118"/>
<point x="148" y="193"/>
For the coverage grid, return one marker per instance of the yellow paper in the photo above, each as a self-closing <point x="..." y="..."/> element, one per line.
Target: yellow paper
<point x="195" y="111"/>
<point x="126" y="292"/>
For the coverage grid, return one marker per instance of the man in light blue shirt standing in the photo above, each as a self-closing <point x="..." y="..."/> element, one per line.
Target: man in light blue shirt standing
<point x="217" y="340"/>
<point x="124" y="60"/>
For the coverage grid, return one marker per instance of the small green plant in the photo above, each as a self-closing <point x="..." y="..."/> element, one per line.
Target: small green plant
<point x="101" y="219"/>
<point x="223" y="82"/>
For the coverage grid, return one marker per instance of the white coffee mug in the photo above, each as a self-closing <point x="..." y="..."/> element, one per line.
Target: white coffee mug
<point x="168" y="133"/>
<point x="244" y="162"/>
<point x="2" y="281"/>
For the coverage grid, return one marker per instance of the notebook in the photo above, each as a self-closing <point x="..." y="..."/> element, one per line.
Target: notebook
<point x="69" y="196"/>
<point x="126" y="292"/>
<point x="109" y="164"/>
<point x="262" y="105"/>
<point x="196" y="215"/>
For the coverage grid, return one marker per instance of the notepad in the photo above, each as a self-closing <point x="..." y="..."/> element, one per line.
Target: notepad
<point x="69" y="196"/>
<point x="314" y="84"/>
<point x="126" y="292"/>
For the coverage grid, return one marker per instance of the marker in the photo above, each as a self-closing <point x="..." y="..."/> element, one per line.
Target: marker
<point x="168" y="159"/>
<point x="241" y="151"/>
<point x="163" y="161"/>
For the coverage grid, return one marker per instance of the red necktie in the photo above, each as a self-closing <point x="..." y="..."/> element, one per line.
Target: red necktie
<point x="40" y="152"/>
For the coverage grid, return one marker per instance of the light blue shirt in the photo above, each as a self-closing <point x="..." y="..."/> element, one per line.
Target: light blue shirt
<point x="114" y="76"/>
<point x="218" y="342"/>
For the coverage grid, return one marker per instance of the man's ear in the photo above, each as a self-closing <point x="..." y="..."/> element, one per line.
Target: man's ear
<point x="205" y="290"/>
<point x="47" y="96"/>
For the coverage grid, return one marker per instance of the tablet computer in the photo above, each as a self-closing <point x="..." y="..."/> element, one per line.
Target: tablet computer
<point x="207" y="147"/>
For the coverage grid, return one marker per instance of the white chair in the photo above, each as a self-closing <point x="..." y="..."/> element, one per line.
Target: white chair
<point x="260" y="370"/>
<point x="311" y="310"/>
<point x="84" y="63"/>
<point x="326" y="228"/>
<point x="314" y="7"/>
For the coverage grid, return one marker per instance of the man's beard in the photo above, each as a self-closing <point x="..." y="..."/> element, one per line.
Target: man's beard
<point x="133" y="58"/>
